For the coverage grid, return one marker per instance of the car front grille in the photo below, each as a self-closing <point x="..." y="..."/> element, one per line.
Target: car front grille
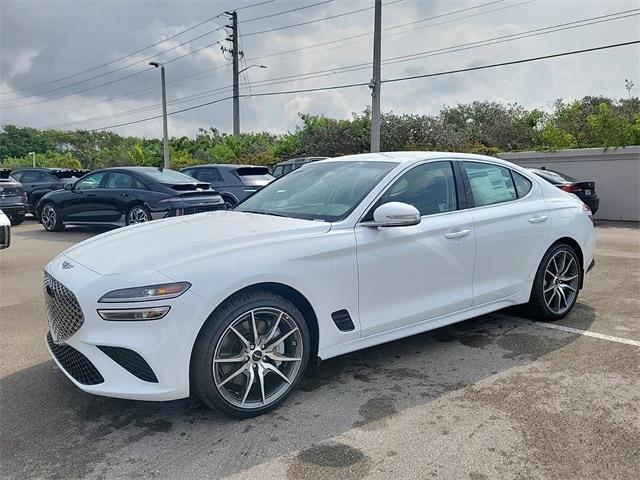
<point x="63" y="310"/>
<point x="75" y="363"/>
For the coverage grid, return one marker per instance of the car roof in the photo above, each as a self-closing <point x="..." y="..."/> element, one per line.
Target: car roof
<point x="298" y="160"/>
<point x="229" y="166"/>
<point x="410" y="157"/>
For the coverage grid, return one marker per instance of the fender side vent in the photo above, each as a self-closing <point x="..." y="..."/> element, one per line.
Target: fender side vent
<point x="130" y="361"/>
<point x="343" y="321"/>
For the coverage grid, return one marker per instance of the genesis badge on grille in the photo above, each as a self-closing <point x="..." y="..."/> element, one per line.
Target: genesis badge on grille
<point x="66" y="265"/>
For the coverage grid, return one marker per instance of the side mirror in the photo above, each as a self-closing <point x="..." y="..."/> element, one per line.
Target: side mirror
<point x="68" y="186"/>
<point x="394" y="214"/>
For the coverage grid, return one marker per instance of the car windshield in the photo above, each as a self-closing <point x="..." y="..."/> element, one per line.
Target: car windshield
<point x="326" y="191"/>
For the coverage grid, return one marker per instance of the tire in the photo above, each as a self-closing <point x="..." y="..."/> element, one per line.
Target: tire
<point x="229" y="203"/>
<point x="51" y="218"/>
<point x="138" y="214"/>
<point x="222" y="385"/>
<point x="554" y="296"/>
<point x="17" y="218"/>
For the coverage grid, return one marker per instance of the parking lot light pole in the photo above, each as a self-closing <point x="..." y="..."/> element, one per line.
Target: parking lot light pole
<point x="165" y="137"/>
<point x="33" y="158"/>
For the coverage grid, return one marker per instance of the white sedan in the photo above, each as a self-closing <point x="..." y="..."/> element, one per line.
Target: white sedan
<point x="337" y="256"/>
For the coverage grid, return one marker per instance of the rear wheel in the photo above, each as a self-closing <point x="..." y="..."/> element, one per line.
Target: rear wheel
<point x="51" y="218"/>
<point x="250" y="355"/>
<point x="138" y="214"/>
<point x="229" y="203"/>
<point x="557" y="282"/>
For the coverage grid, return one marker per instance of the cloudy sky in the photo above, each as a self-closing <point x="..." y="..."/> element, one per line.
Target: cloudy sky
<point x="82" y="64"/>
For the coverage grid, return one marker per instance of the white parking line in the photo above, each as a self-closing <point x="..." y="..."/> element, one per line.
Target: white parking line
<point x="586" y="333"/>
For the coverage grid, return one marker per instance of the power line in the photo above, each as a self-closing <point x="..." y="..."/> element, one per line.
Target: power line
<point x="285" y="11"/>
<point x="368" y="34"/>
<point x="309" y="22"/>
<point x="398" y="79"/>
<point x="137" y="62"/>
<point x="109" y="82"/>
<point x="111" y="62"/>
<point x="356" y="67"/>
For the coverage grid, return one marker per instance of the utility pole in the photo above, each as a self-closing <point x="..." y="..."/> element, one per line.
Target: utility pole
<point x="165" y="135"/>
<point x="375" y="82"/>
<point x="33" y="158"/>
<point x="235" y="53"/>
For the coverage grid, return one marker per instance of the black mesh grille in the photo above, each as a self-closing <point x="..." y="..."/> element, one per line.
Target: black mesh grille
<point x="75" y="363"/>
<point x="63" y="310"/>
<point x="343" y="321"/>
<point x="130" y="361"/>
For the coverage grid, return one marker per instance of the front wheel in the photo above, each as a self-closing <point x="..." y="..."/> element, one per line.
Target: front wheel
<point x="51" y="218"/>
<point x="557" y="282"/>
<point x="250" y="355"/>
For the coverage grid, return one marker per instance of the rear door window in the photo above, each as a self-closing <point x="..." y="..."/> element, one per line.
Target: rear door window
<point x="523" y="185"/>
<point x="123" y="181"/>
<point x="209" y="175"/>
<point x="490" y="184"/>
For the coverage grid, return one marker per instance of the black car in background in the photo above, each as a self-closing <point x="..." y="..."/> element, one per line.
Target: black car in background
<point x="124" y="196"/>
<point x="13" y="199"/>
<point x="586" y="191"/>
<point x="287" y="166"/>
<point x="37" y="182"/>
<point x="233" y="182"/>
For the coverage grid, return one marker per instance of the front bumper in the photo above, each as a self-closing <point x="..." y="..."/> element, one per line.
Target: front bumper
<point x="162" y="347"/>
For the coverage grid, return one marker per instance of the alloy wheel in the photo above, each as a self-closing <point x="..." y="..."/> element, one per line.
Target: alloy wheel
<point x="48" y="217"/>
<point x="138" y="215"/>
<point x="561" y="281"/>
<point x="257" y="358"/>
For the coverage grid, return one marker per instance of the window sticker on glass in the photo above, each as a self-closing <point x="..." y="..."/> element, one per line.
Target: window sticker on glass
<point x="490" y="184"/>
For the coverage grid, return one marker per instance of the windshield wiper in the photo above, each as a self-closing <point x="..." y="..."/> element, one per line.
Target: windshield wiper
<point x="262" y="212"/>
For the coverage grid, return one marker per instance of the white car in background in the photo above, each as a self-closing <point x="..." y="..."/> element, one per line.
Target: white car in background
<point x="337" y="256"/>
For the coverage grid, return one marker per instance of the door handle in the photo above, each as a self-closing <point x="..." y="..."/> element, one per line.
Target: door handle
<point x="457" y="234"/>
<point x="538" y="219"/>
<point x="124" y="194"/>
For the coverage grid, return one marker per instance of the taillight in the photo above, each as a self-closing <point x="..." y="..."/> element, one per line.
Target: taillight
<point x="570" y="188"/>
<point x="586" y="209"/>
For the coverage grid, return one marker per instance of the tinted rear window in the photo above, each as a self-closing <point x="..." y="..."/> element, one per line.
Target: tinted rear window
<point x="246" y="171"/>
<point x="168" y="176"/>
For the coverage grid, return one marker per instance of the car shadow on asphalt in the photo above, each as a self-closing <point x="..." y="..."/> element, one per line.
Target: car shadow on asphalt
<point x="51" y="429"/>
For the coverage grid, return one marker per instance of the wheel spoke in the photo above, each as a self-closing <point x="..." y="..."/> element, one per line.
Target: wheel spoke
<point x="241" y="337"/>
<point x="233" y="375"/>
<point x="261" y="374"/>
<point x="250" y="379"/>
<point x="282" y="338"/>
<point x="280" y="358"/>
<point x="566" y="268"/>
<point x="555" y="291"/>
<point x="253" y="326"/>
<point x="567" y="286"/>
<point x="239" y="359"/>
<point x="548" y="289"/>
<point x="562" y="298"/>
<point x="273" y="329"/>
<point x="272" y="368"/>
<point x="568" y="279"/>
<point x="555" y="264"/>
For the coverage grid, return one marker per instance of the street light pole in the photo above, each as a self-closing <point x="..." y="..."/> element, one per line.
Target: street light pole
<point x="33" y="158"/>
<point x="375" y="83"/>
<point x="165" y="135"/>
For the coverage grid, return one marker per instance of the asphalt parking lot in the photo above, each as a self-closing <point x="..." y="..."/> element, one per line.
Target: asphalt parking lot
<point x="494" y="397"/>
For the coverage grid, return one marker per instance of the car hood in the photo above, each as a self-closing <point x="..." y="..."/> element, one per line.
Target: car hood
<point x="161" y="244"/>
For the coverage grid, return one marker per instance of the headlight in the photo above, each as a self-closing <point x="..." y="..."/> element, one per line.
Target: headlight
<point x="134" y="314"/>
<point x="146" y="294"/>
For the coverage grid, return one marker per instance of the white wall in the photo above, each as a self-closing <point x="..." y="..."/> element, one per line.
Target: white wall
<point x="616" y="173"/>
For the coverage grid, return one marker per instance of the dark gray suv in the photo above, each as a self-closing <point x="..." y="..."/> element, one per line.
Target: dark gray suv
<point x="234" y="183"/>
